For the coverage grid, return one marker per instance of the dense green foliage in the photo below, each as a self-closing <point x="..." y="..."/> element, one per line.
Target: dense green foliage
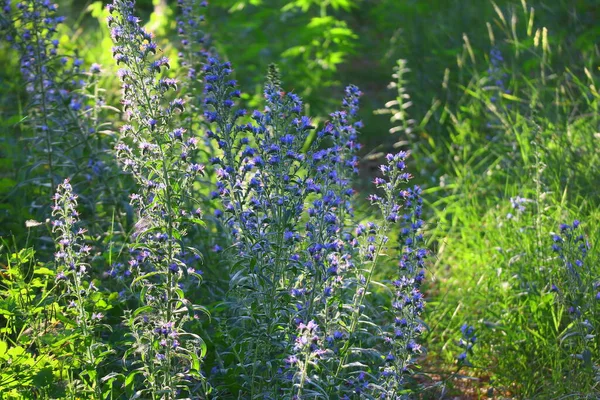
<point x="498" y="104"/>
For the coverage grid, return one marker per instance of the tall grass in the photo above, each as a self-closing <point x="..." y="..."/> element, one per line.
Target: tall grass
<point x="519" y="162"/>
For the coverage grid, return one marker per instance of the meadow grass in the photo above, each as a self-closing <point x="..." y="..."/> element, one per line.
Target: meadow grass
<point x="520" y="160"/>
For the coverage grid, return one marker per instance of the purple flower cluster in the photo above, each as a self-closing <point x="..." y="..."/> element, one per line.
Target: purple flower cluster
<point x="297" y="319"/>
<point x="71" y="250"/>
<point x="33" y="34"/>
<point x="331" y="245"/>
<point x="259" y="181"/>
<point x="161" y="156"/>
<point x="308" y="349"/>
<point x="58" y="110"/>
<point x="193" y="39"/>
<point x="466" y="343"/>
<point x="575" y="277"/>
<point x="496" y="72"/>
<point x="70" y="257"/>
<point x="402" y="206"/>
<point x="262" y="187"/>
<point x="576" y="287"/>
<point x="75" y="286"/>
<point x="334" y="162"/>
<point x="518" y="205"/>
<point x="193" y="56"/>
<point x="158" y="152"/>
<point x="268" y="181"/>
<point x="302" y="265"/>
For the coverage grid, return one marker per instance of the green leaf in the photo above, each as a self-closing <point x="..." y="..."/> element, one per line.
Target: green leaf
<point x="144" y="309"/>
<point x="586" y="355"/>
<point x="44" y="271"/>
<point x="321" y="22"/>
<point x="110" y="377"/>
<point x="148" y="275"/>
<point x="343" y="4"/>
<point x="130" y="378"/>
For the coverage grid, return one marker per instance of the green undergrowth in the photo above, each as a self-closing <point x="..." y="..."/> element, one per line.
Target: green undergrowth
<point x="520" y="160"/>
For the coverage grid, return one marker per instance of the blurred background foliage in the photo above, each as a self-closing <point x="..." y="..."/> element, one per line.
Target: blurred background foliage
<point x="321" y="46"/>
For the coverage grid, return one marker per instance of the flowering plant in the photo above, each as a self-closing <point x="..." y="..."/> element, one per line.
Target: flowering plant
<point x="300" y="315"/>
<point x="301" y="267"/>
<point x="159" y="154"/>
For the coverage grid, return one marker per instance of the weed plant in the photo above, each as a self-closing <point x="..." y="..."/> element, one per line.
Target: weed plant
<point x="300" y="318"/>
<point x="189" y="249"/>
